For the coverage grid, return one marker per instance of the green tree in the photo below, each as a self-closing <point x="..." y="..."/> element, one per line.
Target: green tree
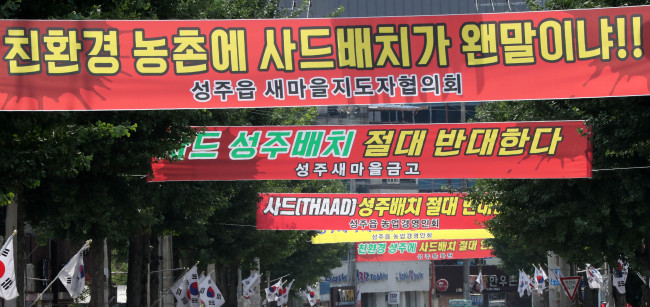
<point x="595" y="220"/>
<point x="229" y="239"/>
<point x="81" y="175"/>
<point x="40" y="146"/>
<point x="583" y="220"/>
<point x="109" y="198"/>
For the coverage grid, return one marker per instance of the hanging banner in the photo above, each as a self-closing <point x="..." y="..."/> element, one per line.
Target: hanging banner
<point x="205" y="64"/>
<point x="476" y="150"/>
<point x="423" y="250"/>
<point x="413" y="211"/>
<point x="343" y="236"/>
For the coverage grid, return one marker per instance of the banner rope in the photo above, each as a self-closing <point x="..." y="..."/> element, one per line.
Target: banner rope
<point x="620" y="168"/>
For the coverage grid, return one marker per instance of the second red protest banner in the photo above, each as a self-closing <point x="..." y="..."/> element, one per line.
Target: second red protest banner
<point x="552" y="149"/>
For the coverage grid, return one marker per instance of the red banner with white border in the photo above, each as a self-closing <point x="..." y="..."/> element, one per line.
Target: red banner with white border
<point x="411" y="211"/>
<point x="423" y="250"/>
<point x="554" y="149"/>
<point x="200" y="64"/>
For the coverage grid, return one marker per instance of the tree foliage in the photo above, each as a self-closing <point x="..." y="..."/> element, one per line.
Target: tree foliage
<point x="595" y="220"/>
<point x="584" y="220"/>
<point x="82" y="175"/>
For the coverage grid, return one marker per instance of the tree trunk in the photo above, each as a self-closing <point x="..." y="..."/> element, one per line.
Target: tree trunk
<point x="591" y="296"/>
<point x="95" y="269"/>
<point x="619" y="299"/>
<point x="646" y="295"/>
<point x="226" y="281"/>
<point x="635" y="290"/>
<point x="136" y="291"/>
<point x="643" y="296"/>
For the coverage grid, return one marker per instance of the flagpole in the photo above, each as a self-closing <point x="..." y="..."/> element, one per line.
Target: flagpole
<point x="272" y="280"/>
<point x="40" y="295"/>
<point x="13" y="252"/>
<point x="165" y="292"/>
<point x="12" y="235"/>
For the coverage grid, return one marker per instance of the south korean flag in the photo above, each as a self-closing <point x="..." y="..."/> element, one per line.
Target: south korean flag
<point x="186" y="290"/>
<point x="210" y="294"/>
<point x="73" y="274"/>
<point x="8" y="288"/>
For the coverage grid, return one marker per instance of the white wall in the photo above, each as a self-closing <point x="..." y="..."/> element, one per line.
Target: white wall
<point x="418" y="299"/>
<point x="416" y="290"/>
<point x="392" y="269"/>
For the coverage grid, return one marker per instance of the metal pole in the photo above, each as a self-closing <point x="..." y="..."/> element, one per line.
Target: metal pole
<point x="464" y="189"/>
<point x="161" y="259"/>
<point x="256" y="299"/>
<point x="149" y="284"/>
<point x="268" y="285"/>
<point x="463" y="110"/>
<point x="107" y="275"/>
<point x="308" y="8"/>
<point x="432" y="283"/>
<point x="466" y="279"/>
<point x="353" y="261"/>
<point x="167" y="300"/>
<point x="609" y="298"/>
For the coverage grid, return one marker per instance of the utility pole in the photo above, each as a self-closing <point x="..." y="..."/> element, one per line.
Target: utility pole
<point x="256" y="299"/>
<point x="167" y="273"/>
<point x="433" y="301"/>
<point x="466" y="296"/>
<point x="556" y="297"/>
<point x="352" y="263"/>
<point x="466" y="279"/>
<point x="352" y="268"/>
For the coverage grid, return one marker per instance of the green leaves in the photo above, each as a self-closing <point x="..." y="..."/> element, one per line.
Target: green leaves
<point x="584" y="220"/>
<point x="9" y="8"/>
<point x="82" y="174"/>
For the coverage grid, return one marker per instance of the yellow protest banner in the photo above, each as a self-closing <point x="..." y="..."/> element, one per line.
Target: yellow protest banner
<point x="340" y="236"/>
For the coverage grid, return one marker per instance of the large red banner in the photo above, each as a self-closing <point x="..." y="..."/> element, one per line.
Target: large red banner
<point x="556" y="149"/>
<point x="412" y="211"/>
<point x="423" y="250"/>
<point x="198" y="64"/>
